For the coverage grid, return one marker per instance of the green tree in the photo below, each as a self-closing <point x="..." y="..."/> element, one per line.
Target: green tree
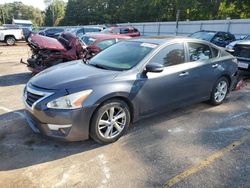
<point x="18" y="10"/>
<point x="54" y="12"/>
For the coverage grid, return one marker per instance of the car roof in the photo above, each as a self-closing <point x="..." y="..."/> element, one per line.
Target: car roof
<point x="122" y="27"/>
<point x="159" y="39"/>
<point x="210" y="31"/>
<point x="104" y="36"/>
<point x="51" y="28"/>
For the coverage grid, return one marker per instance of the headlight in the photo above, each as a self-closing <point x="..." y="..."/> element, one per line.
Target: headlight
<point x="72" y="101"/>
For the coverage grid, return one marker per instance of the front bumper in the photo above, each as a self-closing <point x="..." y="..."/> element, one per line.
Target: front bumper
<point x="66" y="125"/>
<point x="70" y="125"/>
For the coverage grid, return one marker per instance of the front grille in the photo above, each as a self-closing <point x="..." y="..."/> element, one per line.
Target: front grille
<point x="31" y="98"/>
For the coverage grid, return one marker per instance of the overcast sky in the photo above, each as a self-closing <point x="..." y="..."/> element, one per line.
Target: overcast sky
<point x="35" y="3"/>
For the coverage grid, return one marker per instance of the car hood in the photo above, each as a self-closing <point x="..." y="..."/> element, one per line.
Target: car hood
<point x="71" y="75"/>
<point x="44" y="42"/>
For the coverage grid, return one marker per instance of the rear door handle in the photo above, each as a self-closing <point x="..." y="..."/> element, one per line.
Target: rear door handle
<point x="215" y="65"/>
<point x="184" y="74"/>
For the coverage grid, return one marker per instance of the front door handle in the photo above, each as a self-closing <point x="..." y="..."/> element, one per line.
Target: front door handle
<point x="184" y="74"/>
<point x="215" y="65"/>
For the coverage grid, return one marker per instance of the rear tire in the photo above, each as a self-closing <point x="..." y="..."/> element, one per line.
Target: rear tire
<point x="220" y="91"/>
<point x="110" y="121"/>
<point x="10" y="41"/>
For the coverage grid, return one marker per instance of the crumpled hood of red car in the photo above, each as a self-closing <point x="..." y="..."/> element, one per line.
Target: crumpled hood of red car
<point x="47" y="43"/>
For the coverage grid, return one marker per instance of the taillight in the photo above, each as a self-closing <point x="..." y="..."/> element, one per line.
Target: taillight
<point x="235" y="61"/>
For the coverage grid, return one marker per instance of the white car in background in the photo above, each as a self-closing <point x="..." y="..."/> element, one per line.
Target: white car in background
<point x="10" y="36"/>
<point x="232" y="44"/>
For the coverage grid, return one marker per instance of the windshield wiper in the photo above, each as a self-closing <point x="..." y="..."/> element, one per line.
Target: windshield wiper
<point x="100" y="66"/>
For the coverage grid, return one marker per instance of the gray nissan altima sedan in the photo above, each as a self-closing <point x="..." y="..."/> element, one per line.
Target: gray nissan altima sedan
<point x="129" y="80"/>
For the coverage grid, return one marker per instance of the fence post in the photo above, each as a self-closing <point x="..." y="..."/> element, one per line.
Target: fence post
<point x="201" y="26"/>
<point x="228" y="26"/>
<point x="159" y="28"/>
<point x="143" y="29"/>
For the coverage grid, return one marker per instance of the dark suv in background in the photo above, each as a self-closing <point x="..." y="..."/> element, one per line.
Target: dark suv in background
<point x="80" y="31"/>
<point x="218" y="38"/>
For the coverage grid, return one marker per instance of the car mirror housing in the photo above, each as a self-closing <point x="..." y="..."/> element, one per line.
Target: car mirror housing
<point x="154" y="67"/>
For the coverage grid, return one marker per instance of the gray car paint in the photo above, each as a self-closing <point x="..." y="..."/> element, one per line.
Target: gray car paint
<point x="146" y="93"/>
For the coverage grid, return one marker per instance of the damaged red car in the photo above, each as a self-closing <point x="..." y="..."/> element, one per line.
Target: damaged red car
<point x="96" y="42"/>
<point x="47" y="51"/>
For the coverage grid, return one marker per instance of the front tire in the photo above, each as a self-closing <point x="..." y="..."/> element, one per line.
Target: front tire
<point x="220" y="91"/>
<point x="110" y="121"/>
<point x="10" y="41"/>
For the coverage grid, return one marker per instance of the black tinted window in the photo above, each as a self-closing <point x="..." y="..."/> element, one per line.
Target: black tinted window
<point x="170" y="55"/>
<point x="52" y="31"/>
<point x="88" y="30"/>
<point x="219" y="37"/>
<point x="199" y="51"/>
<point x="124" y="31"/>
<point x="224" y="37"/>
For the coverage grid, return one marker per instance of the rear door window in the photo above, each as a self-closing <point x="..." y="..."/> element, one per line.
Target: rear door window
<point x="171" y="55"/>
<point x="199" y="51"/>
<point x="124" y="31"/>
<point x="53" y="31"/>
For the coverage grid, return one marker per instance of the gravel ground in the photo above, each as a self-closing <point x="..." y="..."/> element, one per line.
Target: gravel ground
<point x="197" y="146"/>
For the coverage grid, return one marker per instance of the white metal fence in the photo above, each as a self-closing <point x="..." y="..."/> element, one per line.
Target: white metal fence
<point x="237" y="27"/>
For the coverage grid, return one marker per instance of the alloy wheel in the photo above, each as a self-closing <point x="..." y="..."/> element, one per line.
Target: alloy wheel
<point x="221" y="91"/>
<point x="112" y="122"/>
<point x="10" y="41"/>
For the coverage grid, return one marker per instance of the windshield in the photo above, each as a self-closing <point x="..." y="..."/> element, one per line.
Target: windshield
<point x="123" y="55"/>
<point x="88" y="40"/>
<point x="71" y="30"/>
<point x="203" y="35"/>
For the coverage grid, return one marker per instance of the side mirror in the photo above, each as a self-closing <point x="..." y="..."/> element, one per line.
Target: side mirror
<point x="154" y="67"/>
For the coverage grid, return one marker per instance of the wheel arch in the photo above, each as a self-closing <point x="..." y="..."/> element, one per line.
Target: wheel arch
<point x="226" y="75"/>
<point x="113" y="97"/>
<point x="6" y="36"/>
